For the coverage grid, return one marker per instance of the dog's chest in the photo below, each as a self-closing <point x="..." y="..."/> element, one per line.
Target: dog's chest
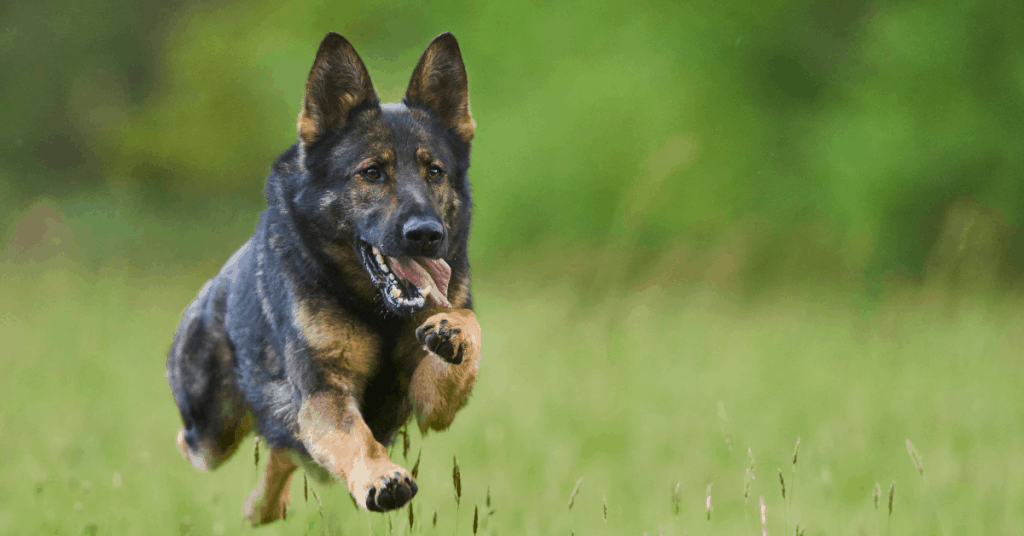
<point x="337" y="339"/>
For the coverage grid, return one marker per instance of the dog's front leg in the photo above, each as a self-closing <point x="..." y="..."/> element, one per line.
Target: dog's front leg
<point x="443" y="379"/>
<point x="335" y="434"/>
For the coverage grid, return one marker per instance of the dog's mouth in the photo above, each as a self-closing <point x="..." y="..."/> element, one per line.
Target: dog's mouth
<point x="405" y="283"/>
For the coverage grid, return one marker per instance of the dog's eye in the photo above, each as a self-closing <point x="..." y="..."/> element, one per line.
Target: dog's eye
<point x="435" y="172"/>
<point x="372" y="173"/>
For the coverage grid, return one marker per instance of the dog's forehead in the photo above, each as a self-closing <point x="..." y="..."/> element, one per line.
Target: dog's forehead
<point x="392" y="133"/>
<point x="413" y="130"/>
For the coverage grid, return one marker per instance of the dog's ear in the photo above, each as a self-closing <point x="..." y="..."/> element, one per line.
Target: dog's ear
<point x="439" y="82"/>
<point x="337" y="83"/>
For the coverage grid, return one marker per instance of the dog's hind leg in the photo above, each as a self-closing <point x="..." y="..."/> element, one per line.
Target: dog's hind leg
<point x="337" y="437"/>
<point x="200" y="371"/>
<point x="269" y="499"/>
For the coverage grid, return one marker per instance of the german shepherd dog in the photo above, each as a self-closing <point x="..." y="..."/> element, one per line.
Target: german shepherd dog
<point x="349" y="309"/>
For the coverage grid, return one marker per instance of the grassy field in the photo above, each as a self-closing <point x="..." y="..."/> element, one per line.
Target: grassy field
<point x="632" y="391"/>
<point x="770" y="148"/>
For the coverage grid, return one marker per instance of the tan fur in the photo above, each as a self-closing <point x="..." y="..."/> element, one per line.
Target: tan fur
<point x="339" y="440"/>
<point x="458" y="292"/>
<point x="269" y="500"/>
<point x="440" y="389"/>
<point x="334" y="337"/>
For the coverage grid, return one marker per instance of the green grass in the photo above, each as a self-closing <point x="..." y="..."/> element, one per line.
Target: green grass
<point x="622" y="389"/>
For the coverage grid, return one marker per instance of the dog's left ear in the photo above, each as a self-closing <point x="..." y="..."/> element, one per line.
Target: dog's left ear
<point x="439" y="82"/>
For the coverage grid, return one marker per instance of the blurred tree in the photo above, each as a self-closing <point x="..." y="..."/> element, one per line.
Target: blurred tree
<point x="834" y="136"/>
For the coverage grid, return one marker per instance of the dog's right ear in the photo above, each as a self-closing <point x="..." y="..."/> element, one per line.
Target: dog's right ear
<point x="337" y="83"/>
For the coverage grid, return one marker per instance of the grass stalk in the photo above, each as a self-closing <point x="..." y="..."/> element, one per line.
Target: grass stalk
<point x="792" y="479"/>
<point x="764" y="518"/>
<point x="785" y="506"/>
<point x="457" y="482"/>
<point x="918" y="461"/>
<point x="575" y="490"/>
<point x="877" y="496"/>
<point x="892" y="493"/>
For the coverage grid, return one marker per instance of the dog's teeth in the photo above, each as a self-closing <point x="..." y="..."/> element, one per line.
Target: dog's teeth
<point x="376" y="251"/>
<point x="425" y="291"/>
<point x="395" y="293"/>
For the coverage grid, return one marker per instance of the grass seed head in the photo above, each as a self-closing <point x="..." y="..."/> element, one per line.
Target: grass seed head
<point x="892" y="492"/>
<point x="746" y="486"/>
<point x="796" y="452"/>
<point x="476" y="517"/>
<point x="750" y="456"/>
<point x="488" y="503"/>
<point x="575" y="490"/>
<point x="256" y="451"/>
<point x="878" y="494"/>
<point x="416" y="468"/>
<point x="707" y="502"/>
<point x="305" y="487"/>
<point x="675" y="499"/>
<point x="604" y="501"/>
<point x="412" y="518"/>
<point x="435" y="518"/>
<point x="764" y="518"/>
<point x="457" y="480"/>
<point x="915" y="457"/>
<point x="405" y="443"/>
<point x="782" y="481"/>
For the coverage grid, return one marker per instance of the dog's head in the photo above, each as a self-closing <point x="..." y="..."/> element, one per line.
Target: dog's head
<point x="390" y="180"/>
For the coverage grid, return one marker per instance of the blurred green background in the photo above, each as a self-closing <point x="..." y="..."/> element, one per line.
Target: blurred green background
<point x="699" y="227"/>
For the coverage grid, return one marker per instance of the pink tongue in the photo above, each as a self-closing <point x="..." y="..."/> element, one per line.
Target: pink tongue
<point x="424" y="272"/>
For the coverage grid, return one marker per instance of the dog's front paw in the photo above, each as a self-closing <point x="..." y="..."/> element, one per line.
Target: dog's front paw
<point x="443" y="338"/>
<point x="390" y="491"/>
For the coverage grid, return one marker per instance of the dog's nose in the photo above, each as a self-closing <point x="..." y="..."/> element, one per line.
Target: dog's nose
<point x="425" y="232"/>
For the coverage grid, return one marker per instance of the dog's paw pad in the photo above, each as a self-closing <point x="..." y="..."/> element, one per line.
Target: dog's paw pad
<point x="442" y="339"/>
<point x="390" y="492"/>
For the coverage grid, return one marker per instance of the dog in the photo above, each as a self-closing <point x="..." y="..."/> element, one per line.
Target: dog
<point x="349" y="309"/>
